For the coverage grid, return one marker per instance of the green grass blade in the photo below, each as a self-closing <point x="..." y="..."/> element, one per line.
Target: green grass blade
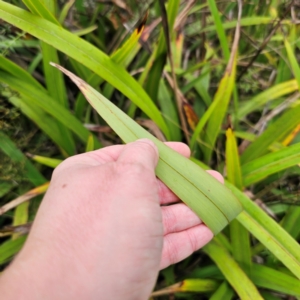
<point x="224" y="292"/>
<point x="122" y="56"/>
<point x="232" y="272"/>
<point x="11" y="247"/>
<point x="159" y="55"/>
<point x="90" y="144"/>
<point x="45" y="102"/>
<point x="21" y="215"/>
<point x="54" y="79"/>
<point x="277" y="131"/>
<point x="169" y="111"/>
<point x="219" y="28"/>
<point x="221" y="99"/>
<point x="12" y="68"/>
<point x="189" y="286"/>
<point x="87" y="54"/>
<point x="199" y="190"/>
<point x="266" y="165"/>
<point x="268" y="95"/>
<point x="43" y="120"/>
<point x="275" y="280"/>
<point x="245" y="22"/>
<point x="39" y="8"/>
<point x="46" y="161"/>
<point x="233" y="167"/>
<point x="269" y="233"/>
<point x="239" y="235"/>
<point x="293" y="61"/>
<point x="56" y="87"/>
<point x="224" y="92"/>
<point x="291" y="221"/>
<point x="5" y="187"/>
<point x="65" y="11"/>
<point x="30" y="172"/>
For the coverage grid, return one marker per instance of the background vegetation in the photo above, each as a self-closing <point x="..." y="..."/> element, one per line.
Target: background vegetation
<point x="179" y="74"/>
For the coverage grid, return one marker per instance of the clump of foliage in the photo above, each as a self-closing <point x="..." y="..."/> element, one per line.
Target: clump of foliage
<point x="221" y="77"/>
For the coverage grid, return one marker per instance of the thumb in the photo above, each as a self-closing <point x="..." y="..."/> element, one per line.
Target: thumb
<point x="142" y="152"/>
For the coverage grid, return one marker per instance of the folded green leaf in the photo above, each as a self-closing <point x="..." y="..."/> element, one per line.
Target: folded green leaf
<point x="210" y="200"/>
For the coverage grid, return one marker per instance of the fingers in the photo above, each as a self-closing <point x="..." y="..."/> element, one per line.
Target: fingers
<point x="178" y="246"/>
<point x="183" y="230"/>
<point x="178" y="217"/>
<point x="142" y="151"/>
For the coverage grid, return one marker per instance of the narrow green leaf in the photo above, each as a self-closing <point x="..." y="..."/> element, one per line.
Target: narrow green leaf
<point x="232" y="272"/>
<point x="224" y="292"/>
<point x="291" y="221"/>
<point x="65" y="10"/>
<point x="5" y="187"/>
<point x="11" y="248"/>
<point x="217" y="102"/>
<point x="45" y="102"/>
<point x="188" y="286"/>
<point x="169" y="111"/>
<point x="21" y="215"/>
<point x="266" y="230"/>
<point x="270" y="296"/>
<point x="90" y="144"/>
<point x="275" y="280"/>
<point x="293" y="61"/>
<point x="268" y="95"/>
<point x="276" y="132"/>
<point x="87" y="54"/>
<point x="226" y="87"/>
<point x="30" y="172"/>
<point x="277" y="243"/>
<point x="198" y="285"/>
<point x="158" y="58"/>
<point x="12" y="68"/>
<point x="43" y="120"/>
<point x="233" y="167"/>
<point x="37" y="7"/>
<point x="46" y="161"/>
<point x="271" y="163"/>
<point x="206" y="196"/>
<point x="219" y="28"/>
<point x="123" y="56"/>
<point x="221" y="99"/>
<point x="245" y="22"/>
<point x="239" y="235"/>
<point x="54" y="79"/>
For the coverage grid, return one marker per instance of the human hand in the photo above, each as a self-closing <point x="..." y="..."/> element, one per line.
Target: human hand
<point x="101" y="232"/>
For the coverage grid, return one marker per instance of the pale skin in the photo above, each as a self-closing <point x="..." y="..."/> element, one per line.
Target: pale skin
<point x="101" y="231"/>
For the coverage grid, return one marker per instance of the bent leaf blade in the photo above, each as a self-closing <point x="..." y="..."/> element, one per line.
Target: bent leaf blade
<point x="208" y="198"/>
